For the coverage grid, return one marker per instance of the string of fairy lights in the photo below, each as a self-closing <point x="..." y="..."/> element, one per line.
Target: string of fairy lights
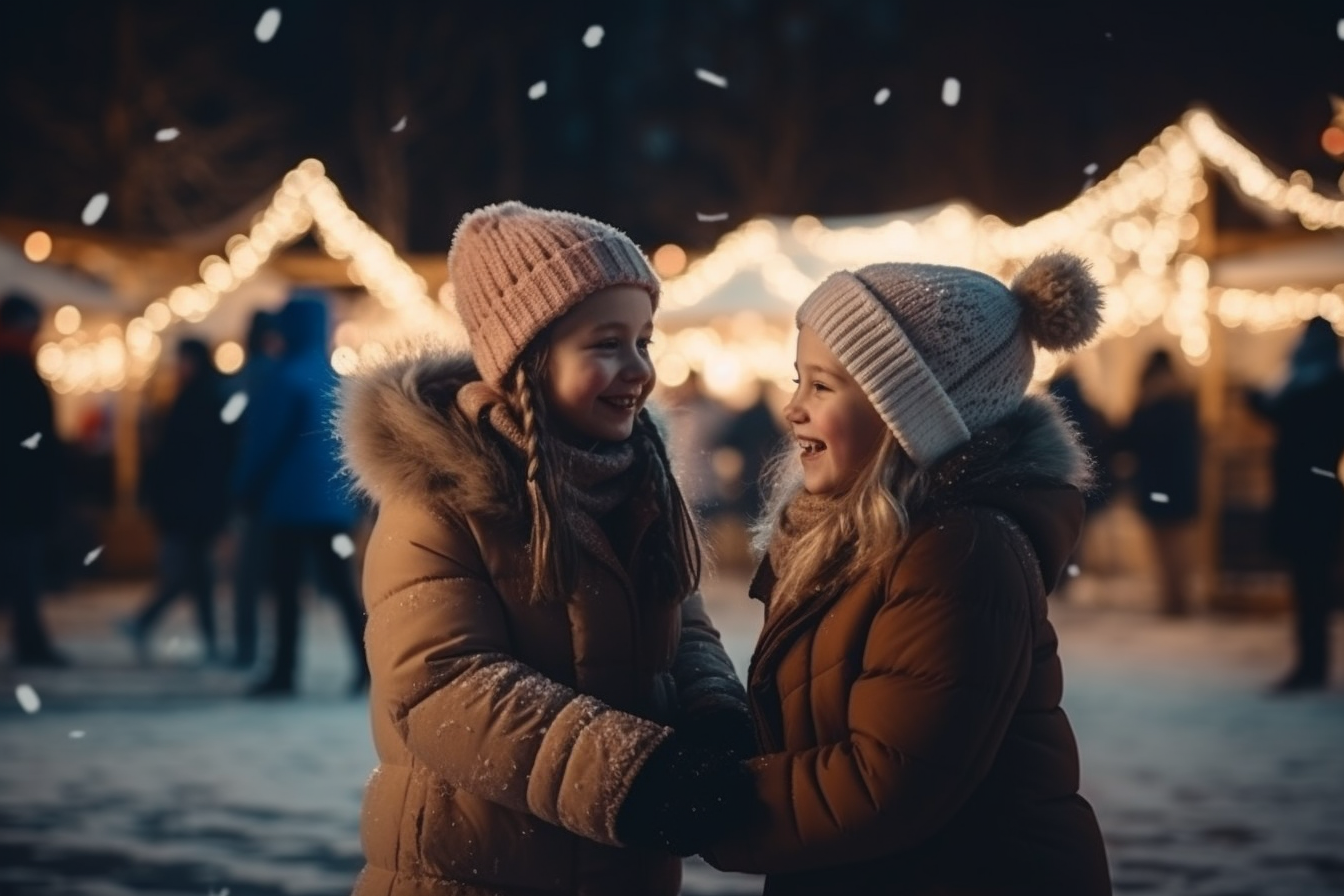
<point x="1138" y="226"/>
<point x="306" y="199"/>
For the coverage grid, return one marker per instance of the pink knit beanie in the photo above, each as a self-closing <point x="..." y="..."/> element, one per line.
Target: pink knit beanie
<point x="516" y="269"/>
<point x="943" y="352"/>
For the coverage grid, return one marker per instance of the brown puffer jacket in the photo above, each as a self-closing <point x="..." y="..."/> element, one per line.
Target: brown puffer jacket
<point x="911" y="719"/>
<point x="507" y="732"/>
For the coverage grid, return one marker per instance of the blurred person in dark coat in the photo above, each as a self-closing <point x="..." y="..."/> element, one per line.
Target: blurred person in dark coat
<point x="1094" y="434"/>
<point x="288" y="469"/>
<point x="1306" y="515"/>
<point x="186" y="490"/>
<point x="755" y="435"/>
<point x="252" y="542"/>
<point x="30" y="469"/>
<point x="1164" y="437"/>
<point x="694" y="419"/>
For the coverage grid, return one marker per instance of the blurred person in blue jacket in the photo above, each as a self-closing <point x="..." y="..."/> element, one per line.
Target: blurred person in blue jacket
<point x="251" y="558"/>
<point x="288" y="473"/>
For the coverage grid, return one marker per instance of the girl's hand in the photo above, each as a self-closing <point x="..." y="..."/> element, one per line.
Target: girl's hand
<point x="684" y="799"/>
<point x="728" y="732"/>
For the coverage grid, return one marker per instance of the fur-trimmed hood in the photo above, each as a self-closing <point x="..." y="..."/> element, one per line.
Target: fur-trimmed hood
<point x="1035" y="444"/>
<point x="403" y="435"/>
<point x="1030" y="466"/>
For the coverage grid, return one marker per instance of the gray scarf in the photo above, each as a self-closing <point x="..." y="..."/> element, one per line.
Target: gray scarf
<point x="592" y="483"/>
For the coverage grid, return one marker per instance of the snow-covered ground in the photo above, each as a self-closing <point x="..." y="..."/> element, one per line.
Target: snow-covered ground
<point x="166" y="780"/>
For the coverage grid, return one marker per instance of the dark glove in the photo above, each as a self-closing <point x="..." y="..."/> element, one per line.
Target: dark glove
<point x="684" y="798"/>
<point x="729" y="732"/>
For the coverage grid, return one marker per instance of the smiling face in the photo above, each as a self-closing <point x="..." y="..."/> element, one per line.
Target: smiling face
<point x="598" y="372"/>
<point x="837" y="429"/>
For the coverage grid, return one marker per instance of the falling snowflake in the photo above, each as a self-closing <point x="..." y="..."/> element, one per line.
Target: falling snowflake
<point x="234" y="407"/>
<point x="593" y="36"/>
<point x="882" y="96"/>
<point x="708" y="217"/>
<point x="94" y="209"/>
<point x="951" y="92"/>
<point x="76" y="735"/>
<point x="1090" y="170"/>
<point x="28" y="698"/>
<point x="1339" y="29"/>
<point x="92" y="555"/>
<point x="221" y="892"/>
<point x="163" y="135"/>
<point x="400" y="125"/>
<point x="268" y="24"/>
<point x="710" y="78"/>
<point x="342" y="545"/>
<point x="1074" y="570"/>
<point x="537" y="90"/>
<point x="1159" y="498"/>
<point x="177" y="647"/>
<point x="1326" y="473"/>
<point x="31" y="442"/>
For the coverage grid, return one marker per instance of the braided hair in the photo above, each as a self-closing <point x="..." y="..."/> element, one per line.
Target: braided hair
<point x="674" y="573"/>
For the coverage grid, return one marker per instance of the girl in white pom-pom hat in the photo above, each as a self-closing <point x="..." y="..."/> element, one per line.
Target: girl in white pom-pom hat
<point x="906" y="684"/>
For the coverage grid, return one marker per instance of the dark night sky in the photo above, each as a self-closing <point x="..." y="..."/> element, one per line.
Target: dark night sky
<point x="626" y="132"/>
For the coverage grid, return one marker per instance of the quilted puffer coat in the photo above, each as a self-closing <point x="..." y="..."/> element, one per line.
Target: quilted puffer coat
<point x="910" y="718"/>
<point x="508" y="731"/>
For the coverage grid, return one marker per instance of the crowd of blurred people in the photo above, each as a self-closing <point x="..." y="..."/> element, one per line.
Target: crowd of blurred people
<point x="249" y="462"/>
<point x="251" y="456"/>
<point x="1160" y="448"/>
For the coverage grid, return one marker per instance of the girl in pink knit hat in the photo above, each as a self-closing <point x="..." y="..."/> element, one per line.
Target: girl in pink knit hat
<point x="906" y="685"/>
<point x="535" y="629"/>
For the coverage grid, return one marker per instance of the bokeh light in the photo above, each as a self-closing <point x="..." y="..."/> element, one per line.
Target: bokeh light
<point x="66" y="320"/>
<point x="669" y="260"/>
<point x="37" y="246"/>
<point x="229" y="357"/>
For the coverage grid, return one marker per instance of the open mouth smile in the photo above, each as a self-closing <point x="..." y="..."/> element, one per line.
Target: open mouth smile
<point x="622" y="402"/>
<point x="811" y="447"/>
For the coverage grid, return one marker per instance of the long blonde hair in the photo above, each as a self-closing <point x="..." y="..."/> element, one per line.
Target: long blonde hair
<point x="676" y="570"/>
<point x="867" y="524"/>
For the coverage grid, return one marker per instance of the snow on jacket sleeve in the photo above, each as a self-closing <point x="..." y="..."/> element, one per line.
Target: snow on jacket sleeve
<point x="945" y="662"/>
<point x="468" y="710"/>
<point x="706" y="681"/>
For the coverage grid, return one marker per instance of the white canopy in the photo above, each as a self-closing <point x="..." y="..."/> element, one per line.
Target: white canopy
<point x="52" y="285"/>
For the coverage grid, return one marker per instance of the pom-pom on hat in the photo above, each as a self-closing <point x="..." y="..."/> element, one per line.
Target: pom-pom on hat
<point x="943" y="352"/>
<point x="516" y="269"/>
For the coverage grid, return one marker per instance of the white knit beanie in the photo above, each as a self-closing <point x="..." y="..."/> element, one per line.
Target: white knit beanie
<point x="515" y="269"/>
<point x="943" y="352"/>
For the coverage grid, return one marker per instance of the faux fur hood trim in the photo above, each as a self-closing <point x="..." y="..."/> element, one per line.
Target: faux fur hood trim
<point x="403" y="436"/>
<point x="1035" y="444"/>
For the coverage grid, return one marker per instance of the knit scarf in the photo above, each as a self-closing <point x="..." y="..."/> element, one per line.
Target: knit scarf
<point x="803" y="514"/>
<point x="592" y="482"/>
